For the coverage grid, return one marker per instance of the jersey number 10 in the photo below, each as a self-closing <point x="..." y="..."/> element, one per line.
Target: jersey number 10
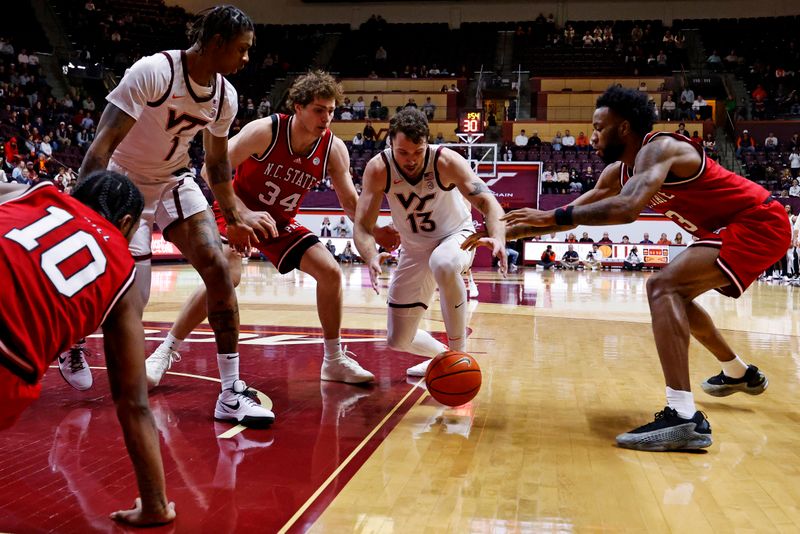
<point x="29" y="237"/>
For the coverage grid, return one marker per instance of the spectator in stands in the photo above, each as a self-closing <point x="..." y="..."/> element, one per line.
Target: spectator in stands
<point x="347" y="255"/>
<point x="744" y="143"/>
<point x="696" y="139"/>
<point x="19" y="171"/>
<point x="534" y="140"/>
<point x="369" y="135"/>
<point x="568" y="141"/>
<point x="4" y="178"/>
<point x="511" y="110"/>
<point x="346" y="115"/>
<point x="594" y="258"/>
<point x="714" y="60"/>
<point x="440" y="140"/>
<point x="645" y="239"/>
<point x="794" y="141"/>
<point x="794" y="161"/>
<point x="375" y="108"/>
<point x="678" y="239"/>
<point x="732" y="60"/>
<point x="699" y="106"/>
<point x="571" y="238"/>
<point x="360" y="108"/>
<point x="632" y="262"/>
<point x="549" y="180"/>
<point x="358" y="140"/>
<point x="687" y="94"/>
<point x="685" y="109"/>
<point x="521" y="139"/>
<point x="548" y="258"/>
<point x="605" y="238"/>
<point x="342" y="228"/>
<point x="668" y="109"/>
<point x="372" y="75"/>
<point x="429" y="108"/>
<point x="556" y="144"/>
<point x="45" y="148"/>
<point x="582" y="142"/>
<point x="570" y="259"/>
<point x="661" y="59"/>
<point x="380" y="58"/>
<point x="626" y="240"/>
<point x="664" y="240"/>
<point x="794" y="190"/>
<point x="331" y="248"/>
<point x="710" y="146"/>
<point x="452" y="88"/>
<point x="325" y="230"/>
<point x="264" y="107"/>
<point x="562" y="179"/>
<point x="585" y="238"/>
<point x="770" y="143"/>
<point x="682" y="130"/>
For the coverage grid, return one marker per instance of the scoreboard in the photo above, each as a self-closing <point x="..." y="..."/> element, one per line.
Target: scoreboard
<point x="470" y="121"/>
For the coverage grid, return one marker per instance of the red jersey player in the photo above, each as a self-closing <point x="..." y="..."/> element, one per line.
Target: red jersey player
<point x="278" y="160"/>
<point x="67" y="257"/>
<point x="741" y="231"/>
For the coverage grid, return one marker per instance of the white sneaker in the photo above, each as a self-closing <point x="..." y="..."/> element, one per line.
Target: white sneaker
<point x="158" y="363"/>
<point x="419" y="369"/>
<point x="73" y="367"/>
<point x="345" y="369"/>
<point x="238" y="405"/>
<point x="472" y="291"/>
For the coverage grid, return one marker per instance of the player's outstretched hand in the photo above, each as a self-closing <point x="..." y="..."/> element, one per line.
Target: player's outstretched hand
<point x="528" y="216"/>
<point x="240" y="236"/>
<point x="137" y="517"/>
<point x="478" y="239"/>
<point x="387" y="237"/>
<point x="261" y="222"/>
<point x="375" y="270"/>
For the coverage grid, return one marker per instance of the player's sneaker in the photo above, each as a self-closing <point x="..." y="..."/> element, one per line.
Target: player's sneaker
<point x="158" y="363"/>
<point x="472" y="289"/>
<point x="343" y="368"/>
<point x="238" y="404"/>
<point x="73" y="367"/>
<point x="419" y="369"/>
<point x="669" y="432"/>
<point x="754" y="382"/>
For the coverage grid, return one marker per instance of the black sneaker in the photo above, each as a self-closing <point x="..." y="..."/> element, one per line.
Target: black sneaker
<point x="754" y="382"/>
<point x="669" y="432"/>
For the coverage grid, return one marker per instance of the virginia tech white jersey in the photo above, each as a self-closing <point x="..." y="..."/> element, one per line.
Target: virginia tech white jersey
<point x="423" y="210"/>
<point x="169" y="110"/>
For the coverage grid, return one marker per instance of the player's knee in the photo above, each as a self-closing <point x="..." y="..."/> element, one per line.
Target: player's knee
<point x="213" y="267"/>
<point x="443" y="268"/>
<point x="658" y="286"/>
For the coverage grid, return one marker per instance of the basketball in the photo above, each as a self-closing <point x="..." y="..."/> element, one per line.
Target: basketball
<point x="453" y="378"/>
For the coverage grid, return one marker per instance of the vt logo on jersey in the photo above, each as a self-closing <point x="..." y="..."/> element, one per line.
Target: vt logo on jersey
<point x="191" y="121"/>
<point x="425" y="223"/>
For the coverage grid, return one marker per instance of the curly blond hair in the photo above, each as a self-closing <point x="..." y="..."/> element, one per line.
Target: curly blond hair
<point x="311" y="85"/>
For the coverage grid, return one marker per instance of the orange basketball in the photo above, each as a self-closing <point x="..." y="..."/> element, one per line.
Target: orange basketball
<point x="453" y="378"/>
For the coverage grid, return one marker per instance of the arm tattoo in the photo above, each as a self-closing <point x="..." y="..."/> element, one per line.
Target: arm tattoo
<point x="479" y="187"/>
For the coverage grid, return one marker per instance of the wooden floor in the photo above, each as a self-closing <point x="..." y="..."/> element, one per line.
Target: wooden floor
<point x="565" y="369"/>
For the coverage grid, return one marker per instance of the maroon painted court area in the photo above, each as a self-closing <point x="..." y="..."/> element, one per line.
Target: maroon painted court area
<point x="63" y="466"/>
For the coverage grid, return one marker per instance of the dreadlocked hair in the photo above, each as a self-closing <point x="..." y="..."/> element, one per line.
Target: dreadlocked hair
<point x="226" y="20"/>
<point x="631" y="105"/>
<point x="110" y="194"/>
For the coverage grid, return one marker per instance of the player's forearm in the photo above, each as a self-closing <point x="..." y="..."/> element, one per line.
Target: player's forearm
<point x="365" y="242"/>
<point x="492" y="212"/>
<point x="141" y="440"/>
<point x="521" y="231"/>
<point x="218" y="176"/>
<point x="95" y="159"/>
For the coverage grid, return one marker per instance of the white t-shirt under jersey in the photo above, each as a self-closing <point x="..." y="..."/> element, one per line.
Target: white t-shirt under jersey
<point x="169" y="109"/>
<point x="425" y="213"/>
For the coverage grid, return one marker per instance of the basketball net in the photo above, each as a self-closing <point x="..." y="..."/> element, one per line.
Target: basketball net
<point x="482" y="157"/>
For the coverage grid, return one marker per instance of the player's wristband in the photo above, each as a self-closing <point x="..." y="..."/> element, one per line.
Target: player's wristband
<point x="564" y="216"/>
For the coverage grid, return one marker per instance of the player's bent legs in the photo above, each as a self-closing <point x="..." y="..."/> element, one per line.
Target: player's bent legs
<point x="320" y="265"/>
<point x="669" y="292"/>
<point x="704" y="331"/>
<point x="447" y="262"/>
<point x="198" y="240"/>
<point x="403" y="333"/>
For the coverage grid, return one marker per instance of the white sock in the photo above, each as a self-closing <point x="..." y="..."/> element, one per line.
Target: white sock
<point x="426" y="345"/>
<point x="171" y="342"/>
<point x="735" y="368"/>
<point x="682" y="402"/>
<point x="459" y="344"/>
<point x="228" y="369"/>
<point x="332" y="348"/>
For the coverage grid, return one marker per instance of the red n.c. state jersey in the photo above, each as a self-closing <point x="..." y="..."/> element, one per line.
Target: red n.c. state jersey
<point x="277" y="180"/>
<point x="64" y="267"/>
<point x="705" y="202"/>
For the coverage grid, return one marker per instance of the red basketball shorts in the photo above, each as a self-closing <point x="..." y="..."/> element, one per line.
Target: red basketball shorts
<point x="755" y="240"/>
<point x="284" y="251"/>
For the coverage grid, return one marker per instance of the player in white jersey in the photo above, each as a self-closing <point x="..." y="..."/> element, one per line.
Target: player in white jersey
<point x="160" y="104"/>
<point x="426" y="187"/>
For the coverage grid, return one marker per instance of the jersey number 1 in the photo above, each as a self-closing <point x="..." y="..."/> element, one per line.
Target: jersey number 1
<point x="29" y="237"/>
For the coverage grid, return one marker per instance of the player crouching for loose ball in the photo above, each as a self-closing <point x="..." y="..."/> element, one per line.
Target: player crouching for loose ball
<point x="70" y="254"/>
<point x="740" y="232"/>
